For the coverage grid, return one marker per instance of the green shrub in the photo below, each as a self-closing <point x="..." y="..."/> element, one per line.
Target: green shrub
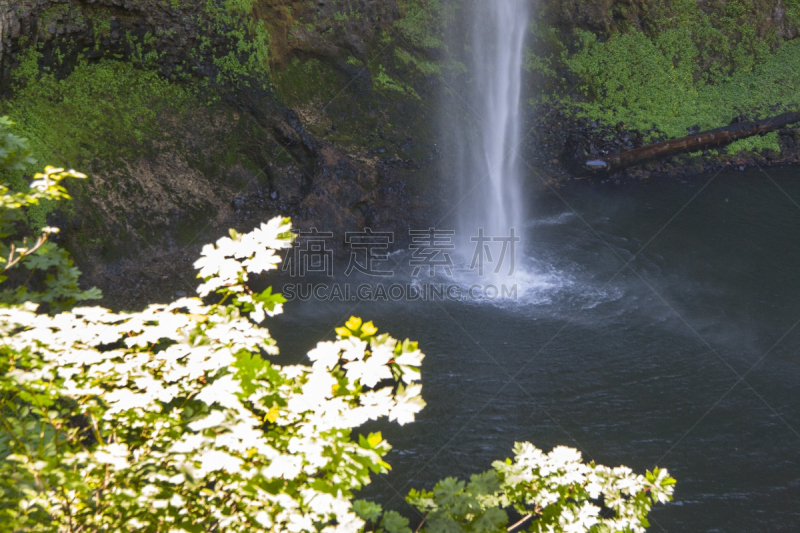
<point x="246" y="56"/>
<point x="643" y="82"/>
<point x="45" y="274"/>
<point x="672" y="66"/>
<point x="102" y="110"/>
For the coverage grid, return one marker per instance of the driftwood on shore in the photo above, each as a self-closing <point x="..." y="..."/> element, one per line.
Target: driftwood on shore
<point x="691" y="143"/>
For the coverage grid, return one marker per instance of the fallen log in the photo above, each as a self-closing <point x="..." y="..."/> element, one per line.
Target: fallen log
<point x="691" y="143"/>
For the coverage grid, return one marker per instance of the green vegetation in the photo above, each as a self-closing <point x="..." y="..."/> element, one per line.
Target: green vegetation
<point x="51" y="16"/>
<point x="101" y="26"/>
<point x="247" y="54"/>
<point x="348" y="12"/>
<point x="424" y="66"/>
<point x="413" y="39"/>
<point x="301" y="82"/>
<point x="105" y="111"/>
<point x="241" y="57"/>
<point x="792" y="11"/>
<point x="382" y="81"/>
<point x="635" y="80"/>
<point x="419" y="36"/>
<point x="33" y="269"/>
<point x="100" y="114"/>
<point x="686" y="67"/>
<point x="422" y="24"/>
<point x="102" y="110"/>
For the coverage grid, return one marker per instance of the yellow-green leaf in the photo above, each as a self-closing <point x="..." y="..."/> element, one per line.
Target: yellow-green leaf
<point x="353" y="324"/>
<point x="369" y="329"/>
<point x="374" y="439"/>
<point x="272" y="415"/>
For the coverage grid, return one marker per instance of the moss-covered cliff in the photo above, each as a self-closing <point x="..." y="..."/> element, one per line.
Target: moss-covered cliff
<point x="193" y="116"/>
<point x="639" y="71"/>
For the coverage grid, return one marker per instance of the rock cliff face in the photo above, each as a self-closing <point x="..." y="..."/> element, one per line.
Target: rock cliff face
<point x="330" y="29"/>
<point x="235" y="154"/>
<point x="97" y="27"/>
<point x="605" y="16"/>
<point x="245" y="157"/>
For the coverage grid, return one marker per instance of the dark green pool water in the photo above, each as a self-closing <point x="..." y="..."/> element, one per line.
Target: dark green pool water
<point x="685" y="358"/>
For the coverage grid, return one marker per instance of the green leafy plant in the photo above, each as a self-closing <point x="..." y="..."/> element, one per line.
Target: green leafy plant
<point x="14" y="151"/>
<point x="175" y="419"/>
<point x="246" y="55"/>
<point x="421" y="23"/>
<point x="693" y="64"/>
<point x="38" y="262"/>
<point x="384" y="82"/>
<point x="107" y="108"/>
<point x="551" y="492"/>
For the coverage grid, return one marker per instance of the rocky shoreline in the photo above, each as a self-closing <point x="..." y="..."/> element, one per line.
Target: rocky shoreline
<point x="559" y="145"/>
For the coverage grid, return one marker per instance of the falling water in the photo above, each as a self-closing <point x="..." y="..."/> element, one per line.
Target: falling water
<point x="488" y="167"/>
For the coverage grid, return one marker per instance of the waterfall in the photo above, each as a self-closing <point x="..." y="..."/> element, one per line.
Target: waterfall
<point x="489" y="169"/>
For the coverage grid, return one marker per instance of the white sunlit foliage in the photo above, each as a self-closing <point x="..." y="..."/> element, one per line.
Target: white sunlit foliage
<point x="174" y="419"/>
